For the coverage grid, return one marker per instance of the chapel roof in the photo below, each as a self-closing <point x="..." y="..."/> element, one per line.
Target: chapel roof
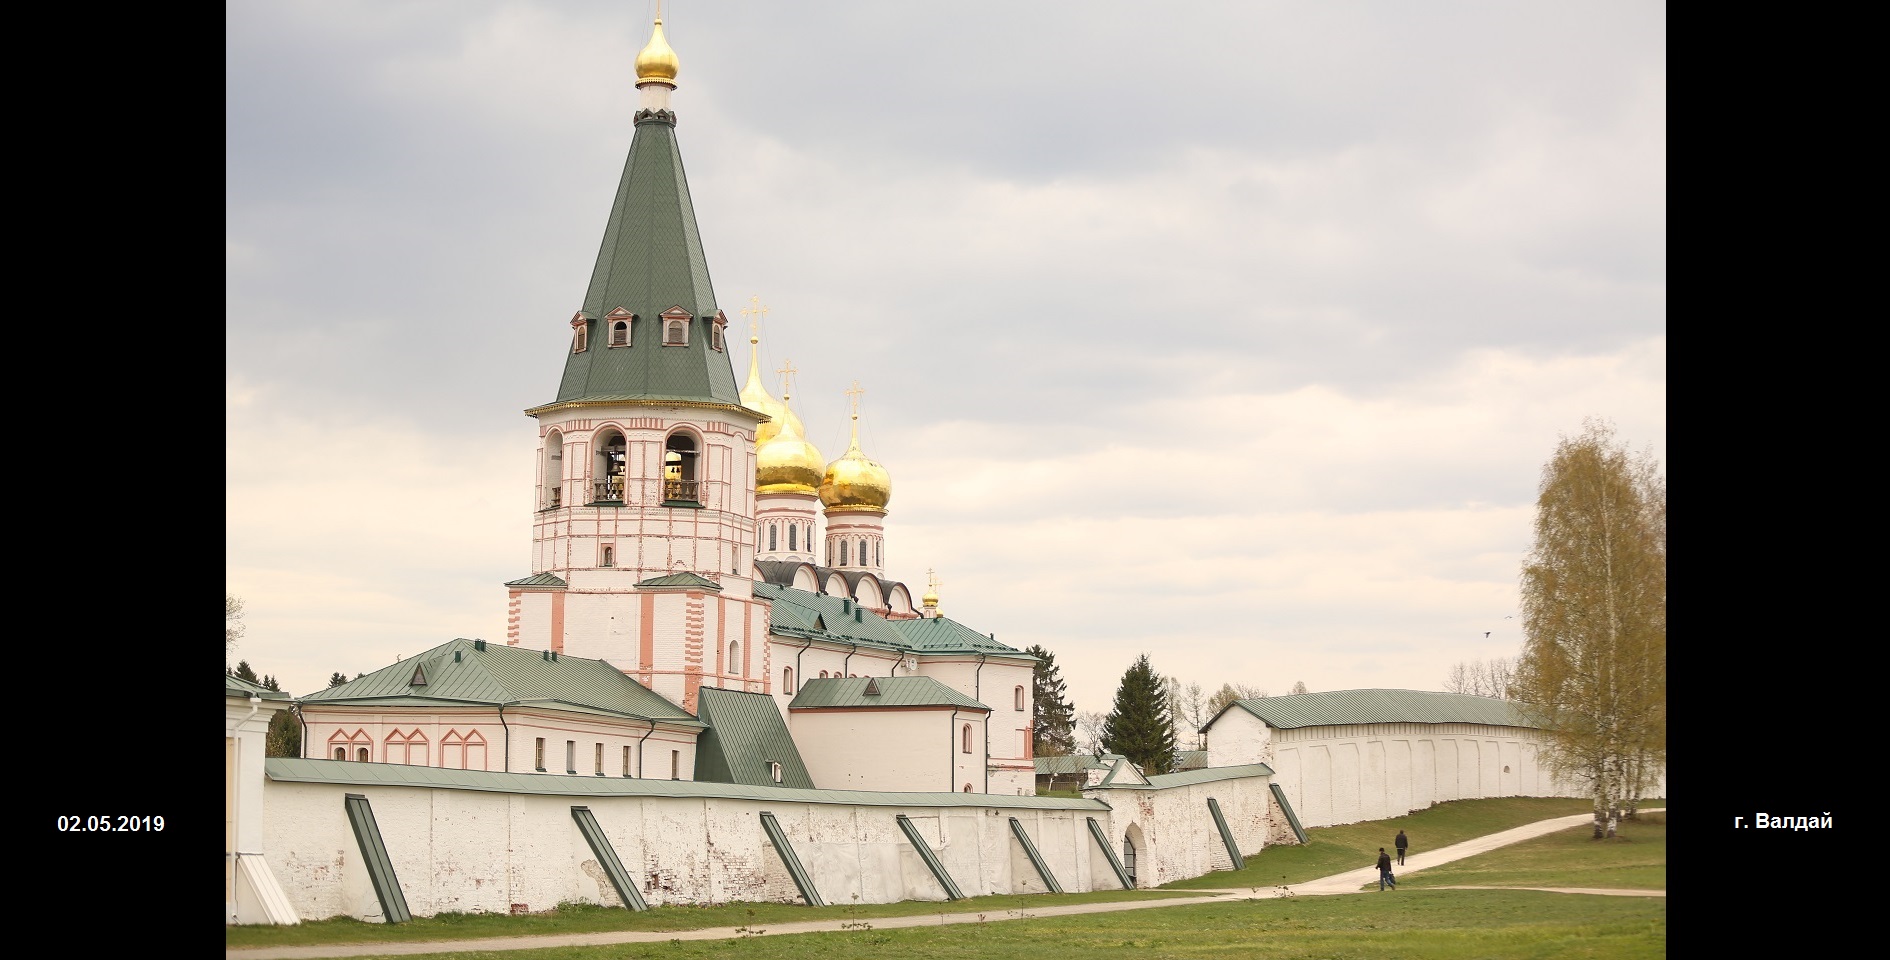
<point x="462" y="671"/>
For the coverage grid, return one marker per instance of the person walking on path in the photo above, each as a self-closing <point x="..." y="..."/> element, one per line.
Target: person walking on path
<point x="1384" y="871"/>
<point x="1401" y="844"/>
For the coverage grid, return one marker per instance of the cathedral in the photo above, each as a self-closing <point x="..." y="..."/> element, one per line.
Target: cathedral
<point x="687" y="534"/>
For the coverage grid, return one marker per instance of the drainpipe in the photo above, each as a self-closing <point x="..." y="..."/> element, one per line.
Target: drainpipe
<point x="508" y="739"/>
<point x="236" y="808"/>
<point x="799" y="677"/>
<point x="977" y="687"/>
<point x="646" y="736"/>
<point x="848" y="659"/>
<point x="302" y="745"/>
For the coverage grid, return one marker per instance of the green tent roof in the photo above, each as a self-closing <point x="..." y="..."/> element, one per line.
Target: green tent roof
<point x="745" y="733"/>
<point x="650" y="261"/>
<point x="891" y="692"/>
<point x="473" y="671"/>
<point x="681" y="580"/>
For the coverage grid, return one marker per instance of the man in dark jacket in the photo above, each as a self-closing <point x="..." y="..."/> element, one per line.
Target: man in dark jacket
<point x="1384" y="871"/>
<point x="1401" y="843"/>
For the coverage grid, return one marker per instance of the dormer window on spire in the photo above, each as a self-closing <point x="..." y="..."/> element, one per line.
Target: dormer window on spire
<point x="580" y="332"/>
<point x="619" y="321"/>
<point x="675" y="327"/>
<point x="717" y="324"/>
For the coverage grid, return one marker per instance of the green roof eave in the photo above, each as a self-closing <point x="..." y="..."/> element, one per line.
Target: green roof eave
<point x="640" y="400"/>
<point x="1168" y="781"/>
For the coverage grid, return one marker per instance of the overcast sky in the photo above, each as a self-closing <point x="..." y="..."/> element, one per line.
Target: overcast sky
<point x="1236" y="334"/>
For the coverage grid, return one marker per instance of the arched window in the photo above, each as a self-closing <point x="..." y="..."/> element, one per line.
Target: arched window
<point x="580" y="333"/>
<point x="790" y="540"/>
<point x="609" y="468"/>
<point x="341" y="753"/>
<point x="609" y="557"/>
<point x="620" y="333"/>
<point x="675" y="333"/>
<point x="735" y="658"/>
<point x="787" y="680"/>
<point x="967" y="788"/>
<point x="679" y="468"/>
<point x="862" y="553"/>
<point x="823" y="674"/>
<point x="1128" y="858"/>
<point x="772" y="530"/>
<point x="879" y="554"/>
<point x="843" y="553"/>
<point x="965" y="736"/>
<point x="1020" y="698"/>
<point x="361" y="755"/>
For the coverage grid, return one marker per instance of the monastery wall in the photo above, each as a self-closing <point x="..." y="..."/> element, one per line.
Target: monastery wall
<point x="482" y="850"/>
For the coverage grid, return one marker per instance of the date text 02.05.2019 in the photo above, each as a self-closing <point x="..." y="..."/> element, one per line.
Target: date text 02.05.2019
<point x="118" y="824"/>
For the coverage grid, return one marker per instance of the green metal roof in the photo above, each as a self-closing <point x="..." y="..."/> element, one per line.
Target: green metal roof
<point x="651" y="260"/>
<point x="1378" y="706"/>
<point x="745" y="733"/>
<point x="472" y="671"/>
<point x="681" y="580"/>
<point x="892" y="692"/>
<point x="537" y="580"/>
<point x="945" y="635"/>
<point x="296" y="770"/>
<point x="235" y="686"/>
<point x="1075" y="763"/>
<point x="1164" y="781"/>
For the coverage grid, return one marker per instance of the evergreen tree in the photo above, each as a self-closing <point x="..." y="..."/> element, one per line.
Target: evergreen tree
<point x="1054" y="718"/>
<point x="285" y="735"/>
<point x="1593" y="669"/>
<point x="1139" y="727"/>
<point x="243" y="671"/>
<point x="337" y="678"/>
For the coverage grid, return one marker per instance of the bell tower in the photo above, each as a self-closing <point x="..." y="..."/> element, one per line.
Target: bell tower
<point x="643" y="530"/>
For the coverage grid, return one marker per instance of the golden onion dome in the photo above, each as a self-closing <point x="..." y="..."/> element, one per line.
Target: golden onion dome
<point x="787" y="463"/>
<point x="756" y="397"/>
<point x="930" y="599"/>
<point x="657" y="62"/>
<point x="855" y="480"/>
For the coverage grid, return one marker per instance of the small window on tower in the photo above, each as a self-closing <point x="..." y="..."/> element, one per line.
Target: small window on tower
<point x="609" y="556"/>
<point x="580" y="339"/>
<point x="791" y="539"/>
<point x="772" y="530"/>
<point x="843" y="553"/>
<point x="620" y="333"/>
<point x="675" y="333"/>
<point x="715" y="336"/>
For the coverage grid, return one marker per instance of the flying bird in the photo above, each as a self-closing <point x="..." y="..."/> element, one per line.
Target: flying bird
<point x="1486" y="633"/>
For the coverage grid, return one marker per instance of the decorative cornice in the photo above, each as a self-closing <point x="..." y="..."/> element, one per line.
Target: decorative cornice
<point x="655" y="116"/>
<point x="645" y="402"/>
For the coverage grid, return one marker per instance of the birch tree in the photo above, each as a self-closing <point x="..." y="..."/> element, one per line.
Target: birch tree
<point x="1593" y="670"/>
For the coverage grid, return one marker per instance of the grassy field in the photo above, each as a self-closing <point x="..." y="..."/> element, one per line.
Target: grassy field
<point x="1419" y="921"/>
<point x="1408" y="925"/>
<point x="1331" y="850"/>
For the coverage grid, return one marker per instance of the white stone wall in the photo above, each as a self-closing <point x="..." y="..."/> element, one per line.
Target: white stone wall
<point x="479" y="851"/>
<point x="1348" y="773"/>
<point x="245" y="735"/>
<point x="1176" y="835"/>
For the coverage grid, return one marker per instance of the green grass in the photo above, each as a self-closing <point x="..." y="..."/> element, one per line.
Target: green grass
<point x="1331" y="850"/>
<point x="1634" y="859"/>
<point x="591" y="918"/>
<point x="1414" y="925"/>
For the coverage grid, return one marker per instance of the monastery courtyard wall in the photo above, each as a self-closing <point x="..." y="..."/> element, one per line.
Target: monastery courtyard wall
<point x="467" y="847"/>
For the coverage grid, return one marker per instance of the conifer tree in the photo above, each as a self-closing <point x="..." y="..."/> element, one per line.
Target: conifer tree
<point x="243" y="671"/>
<point x="1054" y="718"/>
<point x="1140" y="727"/>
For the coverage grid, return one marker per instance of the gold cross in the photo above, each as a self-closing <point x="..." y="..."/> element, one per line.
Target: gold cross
<point x="754" y="313"/>
<point x="932" y="578"/>
<point x="854" y="393"/>
<point x="787" y="371"/>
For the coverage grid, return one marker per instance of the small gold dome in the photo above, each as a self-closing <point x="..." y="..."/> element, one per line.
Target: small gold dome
<point x="855" y="480"/>
<point x="787" y="463"/>
<point x="657" y="62"/>
<point x="930" y="599"/>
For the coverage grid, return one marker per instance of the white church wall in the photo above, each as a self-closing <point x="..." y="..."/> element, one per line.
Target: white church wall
<point x="1239" y="737"/>
<point x="878" y="749"/>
